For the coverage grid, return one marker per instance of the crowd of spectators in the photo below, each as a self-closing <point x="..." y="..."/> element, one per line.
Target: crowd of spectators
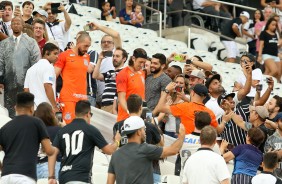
<point x="150" y="96"/>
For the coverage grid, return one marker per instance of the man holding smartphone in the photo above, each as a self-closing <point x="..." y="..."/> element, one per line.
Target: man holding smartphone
<point x="58" y="30"/>
<point x="6" y="15"/>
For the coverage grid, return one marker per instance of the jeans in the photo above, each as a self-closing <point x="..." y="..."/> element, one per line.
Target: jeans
<point x="157" y="178"/>
<point x="42" y="170"/>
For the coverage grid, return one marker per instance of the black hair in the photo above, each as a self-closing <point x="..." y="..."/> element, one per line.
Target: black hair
<point x="124" y="53"/>
<point x="134" y="102"/>
<point x="137" y="53"/>
<point x="261" y="15"/>
<point x="270" y="160"/>
<point x="49" y="47"/>
<point x="82" y="107"/>
<point x="104" y="3"/>
<point x="202" y="119"/>
<point x="25" y="100"/>
<point x="269" y="22"/>
<point x="160" y="57"/>
<point x="177" y="68"/>
<point x="278" y="102"/>
<point x="251" y="57"/>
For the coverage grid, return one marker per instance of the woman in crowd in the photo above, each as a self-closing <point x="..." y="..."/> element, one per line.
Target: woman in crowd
<point x="124" y="14"/>
<point x="257" y="77"/>
<point x="27" y="9"/>
<point x="268" y="51"/>
<point x="247" y="157"/>
<point x="178" y="96"/>
<point x="45" y="112"/>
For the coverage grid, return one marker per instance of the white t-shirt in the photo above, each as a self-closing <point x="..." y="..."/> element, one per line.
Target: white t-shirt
<point x="264" y="178"/>
<point x="213" y="105"/>
<point x="40" y="73"/>
<point x="170" y="125"/>
<point x="204" y="167"/>
<point x="59" y="34"/>
<point x="250" y="29"/>
<point x="256" y="75"/>
<point x="197" y="4"/>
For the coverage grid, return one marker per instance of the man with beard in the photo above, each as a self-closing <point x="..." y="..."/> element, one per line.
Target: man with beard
<point x="109" y="97"/>
<point x="17" y="54"/>
<point x="156" y="81"/>
<point x="173" y="71"/>
<point x="215" y="90"/>
<point x="73" y="66"/>
<point x="132" y="163"/>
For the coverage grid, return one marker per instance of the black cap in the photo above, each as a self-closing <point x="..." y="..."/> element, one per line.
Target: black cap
<point x="140" y="53"/>
<point x="229" y="95"/>
<point x="200" y="90"/>
<point x="208" y="82"/>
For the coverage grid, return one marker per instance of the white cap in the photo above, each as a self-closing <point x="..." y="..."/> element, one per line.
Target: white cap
<point x="132" y="124"/>
<point x="246" y="14"/>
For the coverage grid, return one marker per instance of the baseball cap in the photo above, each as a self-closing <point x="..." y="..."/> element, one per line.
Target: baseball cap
<point x="216" y="76"/>
<point x="261" y="110"/>
<point x="198" y="74"/>
<point x="140" y="53"/>
<point x="132" y="124"/>
<point x="246" y="14"/>
<point x="229" y="95"/>
<point x="41" y="12"/>
<point x="200" y="90"/>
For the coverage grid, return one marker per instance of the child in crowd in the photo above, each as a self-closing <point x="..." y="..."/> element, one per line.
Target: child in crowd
<point x="108" y="13"/>
<point x="270" y="163"/>
<point x="136" y="16"/>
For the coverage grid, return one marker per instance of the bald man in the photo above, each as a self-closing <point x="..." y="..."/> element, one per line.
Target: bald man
<point x="17" y="54"/>
<point x="73" y="66"/>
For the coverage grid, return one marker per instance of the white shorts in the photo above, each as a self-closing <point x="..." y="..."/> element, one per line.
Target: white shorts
<point x="17" y="178"/>
<point x="267" y="56"/>
<point x="231" y="48"/>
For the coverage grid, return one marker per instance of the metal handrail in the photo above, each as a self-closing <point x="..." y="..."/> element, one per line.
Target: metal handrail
<point x="234" y="6"/>
<point x="200" y="13"/>
<point x="157" y="11"/>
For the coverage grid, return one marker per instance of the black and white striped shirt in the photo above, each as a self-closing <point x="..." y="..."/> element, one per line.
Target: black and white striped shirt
<point x="3" y="28"/>
<point x="110" y="91"/>
<point x="233" y="133"/>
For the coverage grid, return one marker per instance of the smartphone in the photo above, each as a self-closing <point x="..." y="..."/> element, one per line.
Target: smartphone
<point x="2" y="7"/>
<point x="267" y="80"/>
<point x="259" y="87"/>
<point x="108" y="53"/>
<point x="188" y="61"/>
<point x="59" y="116"/>
<point x="87" y="27"/>
<point x="54" y="8"/>
<point x="178" y="58"/>
<point x="178" y="89"/>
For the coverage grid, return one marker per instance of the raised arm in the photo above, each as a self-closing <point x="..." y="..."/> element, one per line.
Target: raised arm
<point x="67" y="17"/>
<point x="262" y="100"/>
<point x="96" y="74"/>
<point x="174" y="148"/>
<point x="108" y="31"/>
<point x="247" y="87"/>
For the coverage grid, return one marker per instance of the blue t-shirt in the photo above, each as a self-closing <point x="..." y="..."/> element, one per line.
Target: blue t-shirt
<point x="247" y="159"/>
<point x="122" y="13"/>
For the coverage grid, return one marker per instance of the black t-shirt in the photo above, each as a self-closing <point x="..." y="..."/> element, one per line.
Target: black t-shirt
<point x="267" y="132"/>
<point x="20" y="139"/>
<point x="76" y="142"/>
<point x="227" y="28"/>
<point x="270" y="43"/>
<point x="29" y="21"/>
<point x="153" y="136"/>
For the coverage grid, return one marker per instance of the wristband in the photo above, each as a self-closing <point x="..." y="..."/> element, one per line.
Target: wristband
<point x="51" y="177"/>
<point x="117" y="143"/>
